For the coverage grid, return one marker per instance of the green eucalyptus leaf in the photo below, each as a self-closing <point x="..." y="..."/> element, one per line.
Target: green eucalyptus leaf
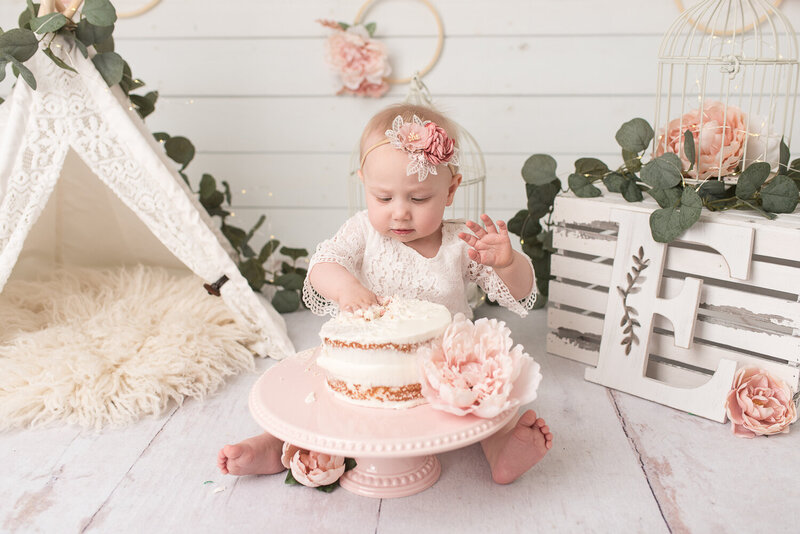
<point x="688" y="148"/>
<point x="294" y="253"/>
<point x="253" y="272"/>
<point x="613" y="182"/>
<point x="343" y="25"/>
<point x="666" y="198"/>
<point x="236" y="236"/>
<point x="632" y="160"/>
<point x="349" y="463"/>
<point x="110" y="66"/>
<point x="21" y="70"/>
<point x="539" y="169"/>
<point x="751" y="179"/>
<point x="208" y="186"/>
<point x="227" y="191"/>
<point x="290" y="281"/>
<point x="49" y="23"/>
<point x="105" y="46"/>
<point x="89" y="34"/>
<point x="218" y="212"/>
<point x="630" y="191"/>
<point x="582" y="186"/>
<point x="19" y="44"/>
<point x="180" y="150"/>
<point x="26" y="16"/>
<point x="161" y="136"/>
<point x="256" y="226"/>
<point x="99" y="12"/>
<point x="591" y="167"/>
<point x="213" y="201"/>
<point x="541" y="198"/>
<point x="784" y="162"/>
<point x="634" y="135"/>
<point x="515" y="223"/>
<point x="145" y="104"/>
<point x="3" y="64"/>
<point x="371" y="28"/>
<point x="268" y="249"/>
<point x="691" y="207"/>
<point x="794" y="169"/>
<point x="286" y="301"/>
<point x="328" y="488"/>
<point x="780" y="195"/>
<point x="665" y="224"/>
<point x="662" y="172"/>
<point x="57" y="60"/>
<point x="82" y="48"/>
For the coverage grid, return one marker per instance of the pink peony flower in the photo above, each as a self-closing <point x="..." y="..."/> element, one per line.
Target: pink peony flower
<point x="474" y="369"/>
<point x="721" y="141"/>
<point x="414" y="137"/>
<point x="360" y="61"/>
<point x="759" y="404"/>
<point x="440" y="146"/>
<point x="312" y="468"/>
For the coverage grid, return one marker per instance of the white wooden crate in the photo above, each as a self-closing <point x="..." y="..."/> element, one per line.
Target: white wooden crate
<point x="746" y="308"/>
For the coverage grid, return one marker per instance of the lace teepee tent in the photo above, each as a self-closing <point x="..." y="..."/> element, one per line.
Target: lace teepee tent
<point x="76" y="160"/>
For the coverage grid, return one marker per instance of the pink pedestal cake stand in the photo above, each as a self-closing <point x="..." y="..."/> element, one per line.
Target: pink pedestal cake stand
<point x="393" y="448"/>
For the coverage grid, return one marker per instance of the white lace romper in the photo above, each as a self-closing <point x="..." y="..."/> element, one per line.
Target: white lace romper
<point x="388" y="267"/>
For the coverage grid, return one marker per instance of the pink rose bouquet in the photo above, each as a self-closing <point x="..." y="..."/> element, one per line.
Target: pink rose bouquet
<point x="311" y="468"/>
<point x="360" y="62"/>
<point x="721" y="140"/>
<point x="475" y="369"/>
<point x="759" y="404"/>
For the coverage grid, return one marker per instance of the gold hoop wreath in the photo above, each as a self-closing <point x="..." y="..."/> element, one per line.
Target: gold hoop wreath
<point x="746" y="29"/>
<point x="139" y="11"/>
<point x="439" y="41"/>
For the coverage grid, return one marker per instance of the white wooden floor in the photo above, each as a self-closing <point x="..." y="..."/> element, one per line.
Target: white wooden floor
<point x="619" y="464"/>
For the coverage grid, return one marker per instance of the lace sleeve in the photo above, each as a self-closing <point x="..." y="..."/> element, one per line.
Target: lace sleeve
<point x="345" y="248"/>
<point x="496" y="289"/>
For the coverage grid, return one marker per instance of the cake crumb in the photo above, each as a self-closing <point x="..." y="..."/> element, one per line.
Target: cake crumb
<point x="311" y="398"/>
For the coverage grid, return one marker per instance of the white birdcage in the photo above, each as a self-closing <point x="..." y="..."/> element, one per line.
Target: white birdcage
<point x="737" y="61"/>
<point x="470" y="198"/>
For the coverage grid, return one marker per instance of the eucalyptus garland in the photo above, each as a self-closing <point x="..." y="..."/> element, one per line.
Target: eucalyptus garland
<point x="680" y="202"/>
<point x="95" y="29"/>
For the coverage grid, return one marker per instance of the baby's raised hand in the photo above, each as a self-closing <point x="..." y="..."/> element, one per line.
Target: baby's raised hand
<point x="491" y="246"/>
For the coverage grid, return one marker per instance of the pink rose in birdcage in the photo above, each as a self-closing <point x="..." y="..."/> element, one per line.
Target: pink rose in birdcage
<point x="759" y="404"/>
<point x="475" y="369"/>
<point x="311" y="468"/>
<point x="719" y="141"/>
<point x="360" y="62"/>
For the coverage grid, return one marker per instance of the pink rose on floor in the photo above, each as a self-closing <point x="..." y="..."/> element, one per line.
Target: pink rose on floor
<point x="360" y="61"/>
<point x="474" y="369"/>
<point x="759" y="404"/>
<point x="440" y="147"/>
<point x="719" y="146"/>
<point x="311" y="468"/>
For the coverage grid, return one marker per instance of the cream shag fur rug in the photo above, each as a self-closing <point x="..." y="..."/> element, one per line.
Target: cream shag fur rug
<point x="104" y="347"/>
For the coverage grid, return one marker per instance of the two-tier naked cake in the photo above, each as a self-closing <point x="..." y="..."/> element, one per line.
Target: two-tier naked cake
<point x="370" y="356"/>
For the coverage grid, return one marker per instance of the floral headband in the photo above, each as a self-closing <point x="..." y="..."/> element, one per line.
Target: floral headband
<point x="426" y="143"/>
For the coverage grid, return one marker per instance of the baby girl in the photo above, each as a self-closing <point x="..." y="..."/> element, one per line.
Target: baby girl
<point x="402" y="246"/>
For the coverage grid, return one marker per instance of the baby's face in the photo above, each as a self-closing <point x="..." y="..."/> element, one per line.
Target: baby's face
<point x="399" y="205"/>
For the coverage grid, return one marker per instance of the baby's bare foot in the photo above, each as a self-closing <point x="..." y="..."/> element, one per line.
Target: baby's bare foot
<point x="521" y="448"/>
<point x="259" y="455"/>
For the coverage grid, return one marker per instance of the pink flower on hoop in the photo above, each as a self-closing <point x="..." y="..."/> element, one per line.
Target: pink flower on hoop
<point x="359" y="61"/>
<point x="759" y="404"/>
<point x="426" y="143"/>
<point x="474" y="369"/>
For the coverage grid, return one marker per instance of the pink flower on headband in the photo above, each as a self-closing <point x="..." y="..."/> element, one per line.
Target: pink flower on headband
<point x="360" y="62"/>
<point x="426" y="143"/>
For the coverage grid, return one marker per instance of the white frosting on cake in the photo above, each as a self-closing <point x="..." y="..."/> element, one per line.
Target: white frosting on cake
<point x="401" y="321"/>
<point x="377" y="348"/>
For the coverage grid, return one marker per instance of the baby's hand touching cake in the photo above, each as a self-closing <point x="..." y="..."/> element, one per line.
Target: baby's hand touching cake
<point x="357" y="297"/>
<point x="492" y="246"/>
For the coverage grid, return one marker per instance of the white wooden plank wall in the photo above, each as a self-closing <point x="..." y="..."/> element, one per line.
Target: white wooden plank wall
<point x="245" y="80"/>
